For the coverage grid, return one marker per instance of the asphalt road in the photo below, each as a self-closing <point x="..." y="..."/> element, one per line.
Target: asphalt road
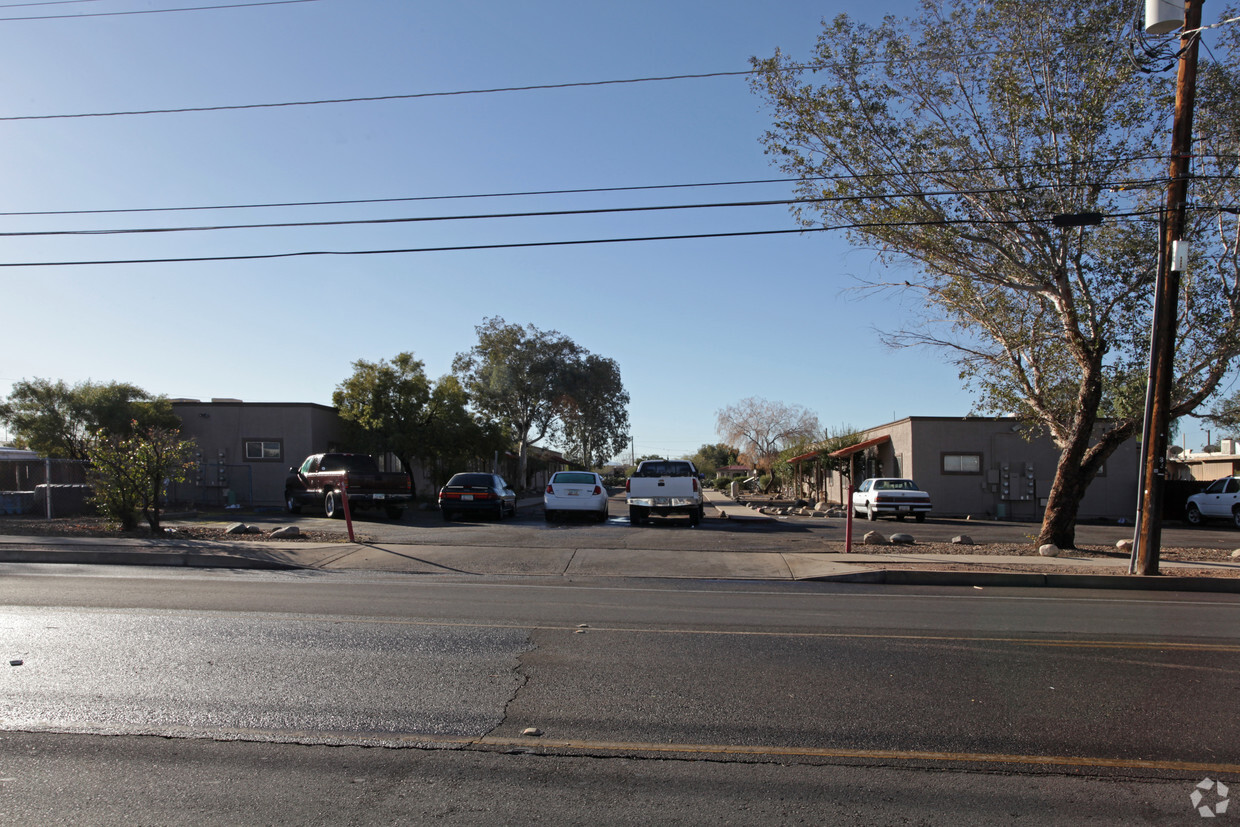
<point x="309" y="697"/>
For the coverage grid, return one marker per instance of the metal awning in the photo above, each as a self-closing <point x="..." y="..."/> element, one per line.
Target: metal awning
<point x="860" y="446"/>
<point x="843" y="452"/>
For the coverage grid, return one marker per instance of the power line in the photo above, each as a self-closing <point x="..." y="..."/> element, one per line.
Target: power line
<point x="533" y="244"/>
<point x="539" y="213"/>
<point x="145" y="11"/>
<point x="368" y="98"/>
<point x="596" y="190"/>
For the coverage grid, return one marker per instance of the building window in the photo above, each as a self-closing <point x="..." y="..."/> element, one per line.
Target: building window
<point x="962" y="463"/>
<point x="264" y="450"/>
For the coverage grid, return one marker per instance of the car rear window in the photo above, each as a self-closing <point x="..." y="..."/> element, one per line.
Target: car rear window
<point x="665" y="469"/>
<point x="353" y="463"/>
<point x="470" y="481"/>
<point x="574" y="476"/>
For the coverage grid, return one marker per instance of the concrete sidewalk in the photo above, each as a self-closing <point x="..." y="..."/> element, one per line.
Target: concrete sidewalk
<point x="932" y="569"/>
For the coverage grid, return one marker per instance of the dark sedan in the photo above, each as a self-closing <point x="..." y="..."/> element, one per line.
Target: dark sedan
<point x="477" y="493"/>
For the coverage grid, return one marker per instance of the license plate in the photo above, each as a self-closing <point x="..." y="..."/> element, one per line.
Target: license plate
<point x="573" y="493"/>
<point x="906" y="508"/>
<point x="662" y="501"/>
<point x="380" y="496"/>
<point x="467" y="497"/>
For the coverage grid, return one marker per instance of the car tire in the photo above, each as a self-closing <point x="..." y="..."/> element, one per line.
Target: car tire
<point x="332" y="509"/>
<point x="549" y="515"/>
<point x="447" y="515"/>
<point x="921" y="518"/>
<point x="1235" y="516"/>
<point x="695" y="517"/>
<point x="1193" y="515"/>
<point x="636" y="515"/>
<point x="871" y="513"/>
<point x="394" y="512"/>
<point x="290" y="503"/>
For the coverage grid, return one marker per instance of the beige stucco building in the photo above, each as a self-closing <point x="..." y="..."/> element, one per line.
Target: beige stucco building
<point x="976" y="466"/>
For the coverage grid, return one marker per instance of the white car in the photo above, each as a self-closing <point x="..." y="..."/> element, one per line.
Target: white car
<point x="891" y="496"/>
<point x="1221" y="500"/>
<point x="575" y="491"/>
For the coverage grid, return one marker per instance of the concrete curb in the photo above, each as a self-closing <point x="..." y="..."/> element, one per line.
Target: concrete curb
<point x="989" y="579"/>
<point x="186" y="559"/>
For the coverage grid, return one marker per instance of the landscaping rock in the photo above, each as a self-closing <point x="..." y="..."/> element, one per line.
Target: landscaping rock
<point x="1124" y="545"/>
<point x="902" y="540"/>
<point x="822" y="505"/>
<point x="1049" y="550"/>
<point x="874" y="538"/>
<point x="286" y="531"/>
<point x="962" y="540"/>
<point x="237" y="528"/>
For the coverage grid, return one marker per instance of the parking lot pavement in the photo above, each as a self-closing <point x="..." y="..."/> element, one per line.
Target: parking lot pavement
<point x="765" y="548"/>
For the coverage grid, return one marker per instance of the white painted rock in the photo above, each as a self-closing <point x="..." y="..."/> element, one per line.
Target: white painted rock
<point x="1049" y="550"/>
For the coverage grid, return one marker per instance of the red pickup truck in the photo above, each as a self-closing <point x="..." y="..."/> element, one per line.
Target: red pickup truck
<point x="322" y="479"/>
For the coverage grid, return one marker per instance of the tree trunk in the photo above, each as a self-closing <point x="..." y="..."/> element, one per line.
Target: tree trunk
<point x="1078" y="465"/>
<point x="1063" y="503"/>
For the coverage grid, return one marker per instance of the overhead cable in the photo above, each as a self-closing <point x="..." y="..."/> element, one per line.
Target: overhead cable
<point x="537" y="213"/>
<point x="533" y="244"/>
<point x="150" y="11"/>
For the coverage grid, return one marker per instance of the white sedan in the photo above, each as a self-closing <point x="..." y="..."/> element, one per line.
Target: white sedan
<point x="575" y="491"/>
<point x="1221" y="500"/>
<point x="891" y="496"/>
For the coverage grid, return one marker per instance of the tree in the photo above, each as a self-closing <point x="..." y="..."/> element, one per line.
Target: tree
<point x="1225" y="415"/>
<point x="949" y="141"/>
<point x="391" y="407"/>
<point x="710" y="458"/>
<point x="760" y="429"/>
<point x="538" y="383"/>
<point x="130" y="472"/>
<point x="61" y="421"/>
<point x="594" y="412"/>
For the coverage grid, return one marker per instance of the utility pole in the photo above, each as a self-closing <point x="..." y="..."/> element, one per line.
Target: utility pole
<point x="1172" y="257"/>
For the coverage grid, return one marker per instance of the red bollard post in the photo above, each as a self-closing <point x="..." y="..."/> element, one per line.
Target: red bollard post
<point x="348" y="518"/>
<point x="848" y="521"/>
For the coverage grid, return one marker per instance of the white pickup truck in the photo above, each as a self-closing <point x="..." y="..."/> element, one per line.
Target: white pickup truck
<point x="663" y="487"/>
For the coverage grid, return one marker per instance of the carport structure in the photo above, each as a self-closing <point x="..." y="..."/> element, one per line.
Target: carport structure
<point x="813" y="469"/>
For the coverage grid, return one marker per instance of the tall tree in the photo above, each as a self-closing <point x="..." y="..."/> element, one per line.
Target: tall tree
<point x="60" y="420"/>
<point x="594" y="411"/>
<point x="949" y="140"/>
<point x="760" y="429"/>
<point x="391" y="407"/>
<point x="519" y="376"/>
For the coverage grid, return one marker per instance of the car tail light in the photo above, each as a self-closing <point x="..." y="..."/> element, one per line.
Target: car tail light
<point x="627" y="483"/>
<point x="550" y="490"/>
<point x="695" y="484"/>
<point x="598" y="489"/>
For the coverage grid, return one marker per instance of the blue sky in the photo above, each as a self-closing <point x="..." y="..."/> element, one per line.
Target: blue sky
<point x="695" y="325"/>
